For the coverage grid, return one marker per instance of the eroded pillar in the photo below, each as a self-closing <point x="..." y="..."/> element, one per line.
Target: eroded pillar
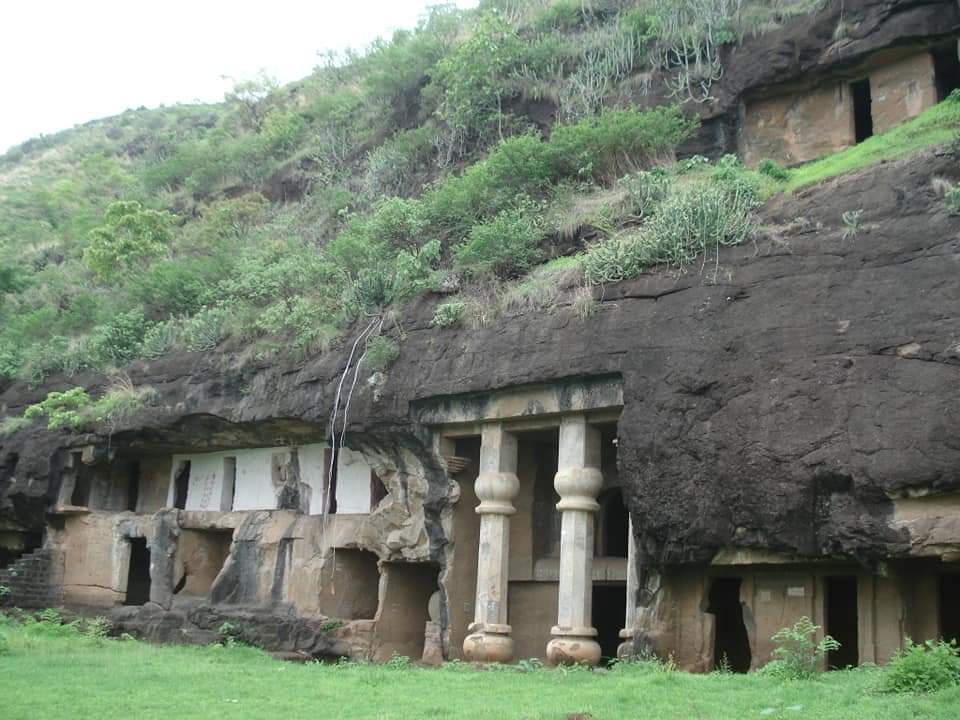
<point x="496" y="487"/>
<point x="578" y="481"/>
<point x="625" y="649"/>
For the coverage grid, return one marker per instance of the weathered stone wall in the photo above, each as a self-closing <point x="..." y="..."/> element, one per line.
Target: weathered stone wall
<point x="902" y="90"/>
<point x="34" y="580"/>
<point x="801" y="123"/>
<point x="899" y="603"/>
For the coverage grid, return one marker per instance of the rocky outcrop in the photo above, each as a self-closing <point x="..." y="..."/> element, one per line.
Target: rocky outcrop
<point x="781" y="399"/>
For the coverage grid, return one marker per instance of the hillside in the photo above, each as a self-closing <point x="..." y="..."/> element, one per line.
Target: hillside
<point x="457" y="155"/>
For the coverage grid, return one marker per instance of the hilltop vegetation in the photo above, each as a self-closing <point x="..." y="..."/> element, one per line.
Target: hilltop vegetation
<point x="461" y="155"/>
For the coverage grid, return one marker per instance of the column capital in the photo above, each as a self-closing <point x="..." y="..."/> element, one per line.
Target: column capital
<point x="578" y="488"/>
<point x="496" y="492"/>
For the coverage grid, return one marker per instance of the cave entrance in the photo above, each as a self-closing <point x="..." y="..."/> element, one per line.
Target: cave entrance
<point x="181" y="484"/>
<point x="731" y="645"/>
<point x="201" y="555"/>
<point x="14" y="545"/>
<point x="402" y="621"/>
<point x="946" y="69"/>
<point x="544" y="447"/>
<point x="841" y="621"/>
<point x="608" y="615"/>
<point x="138" y="576"/>
<point x="950" y="607"/>
<point x="350" y="585"/>
<point x="862" y="109"/>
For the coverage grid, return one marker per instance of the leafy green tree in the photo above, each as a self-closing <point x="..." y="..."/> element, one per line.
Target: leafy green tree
<point x="472" y="81"/>
<point x="130" y="237"/>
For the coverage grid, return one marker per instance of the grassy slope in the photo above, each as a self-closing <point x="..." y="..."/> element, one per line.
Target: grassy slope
<point x="936" y="126"/>
<point x="51" y="677"/>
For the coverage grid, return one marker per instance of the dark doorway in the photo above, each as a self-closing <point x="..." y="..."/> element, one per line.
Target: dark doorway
<point x="946" y="69"/>
<point x="608" y="616"/>
<point x="138" y="577"/>
<point x="841" y="604"/>
<point x="731" y="645"/>
<point x="950" y="607"/>
<point x="229" y="483"/>
<point x="612" y="526"/>
<point x="81" y="488"/>
<point x="862" y="109"/>
<point x="544" y="446"/>
<point x="378" y="491"/>
<point x="181" y="483"/>
<point x="133" y="486"/>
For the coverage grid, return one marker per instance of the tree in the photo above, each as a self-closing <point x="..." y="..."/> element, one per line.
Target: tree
<point x="252" y="100"/>
<point x="129" y="239"/>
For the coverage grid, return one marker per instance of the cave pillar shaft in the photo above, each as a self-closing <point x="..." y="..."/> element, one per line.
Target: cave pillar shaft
<point x="496" y="486"/>
<point x="578" y="481"/>
<point x="633" y="586"/>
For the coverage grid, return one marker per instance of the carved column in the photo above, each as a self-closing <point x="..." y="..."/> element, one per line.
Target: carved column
<point x="578" y="481"/>
<point x="496" y="487"/>
<point x="625" y="650"/>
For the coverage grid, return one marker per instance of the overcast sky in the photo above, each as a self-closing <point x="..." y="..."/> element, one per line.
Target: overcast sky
<point x="64" y="62"/>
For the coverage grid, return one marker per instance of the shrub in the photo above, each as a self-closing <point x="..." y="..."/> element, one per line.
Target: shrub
<point x="952" y="200"/>
<point x="130" y="237"/>
<point x="797" y="655"/>
<point x="392" y="165"/>
<point x="506" y="246"/>
<point x="381" y="352"/>
<point x="924" y="667"/>
<point x="114" y="343"/>
<point x="204" y="330"/>
<point x="694" y="219"/>
<point x="62" y="409"/>
<point x="851" y="220"/>
<point x="10" y="425"/>
<point x="773" y="170"/>
<point x="160" y="339"/>
<point x="646" y="189"/>
<point x="616" y="142"/>
<point x="448" y="314"/>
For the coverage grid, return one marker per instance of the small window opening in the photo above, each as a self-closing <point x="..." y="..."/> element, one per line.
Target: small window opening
<point x="608" y="615"/>
<point x="946" y="69"/>
<point x="378" y="491"/>
<point x="841" y="616"/>
<point x="862" y="109"/>
<point x="133" y="486"/>
<point x="731" y="645"/>
<point x="229" y="483"/>
<point x="950" y="607"/>
<point x="138" y="577"/>
<point x="180" y="485"/>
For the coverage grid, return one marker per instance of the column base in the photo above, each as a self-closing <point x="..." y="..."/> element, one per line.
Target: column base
<point x="573" y="650"/>
<point x="625" y="649"/>
<point x="488" y="647"/>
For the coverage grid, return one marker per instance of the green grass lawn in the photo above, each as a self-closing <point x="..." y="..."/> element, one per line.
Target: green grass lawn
<point x="46" y="676"/>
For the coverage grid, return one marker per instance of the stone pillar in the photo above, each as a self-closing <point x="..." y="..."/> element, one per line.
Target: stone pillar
<point x="578" y="481"/>
<point x="496" y="487"/>
<point x="625" y="650"/>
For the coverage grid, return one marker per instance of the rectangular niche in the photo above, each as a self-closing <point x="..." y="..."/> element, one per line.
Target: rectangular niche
<point x="201" y="555"/>
<point x="350" y="585"/>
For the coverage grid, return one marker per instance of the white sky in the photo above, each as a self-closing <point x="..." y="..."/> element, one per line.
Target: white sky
<point x="64" y="62"/>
